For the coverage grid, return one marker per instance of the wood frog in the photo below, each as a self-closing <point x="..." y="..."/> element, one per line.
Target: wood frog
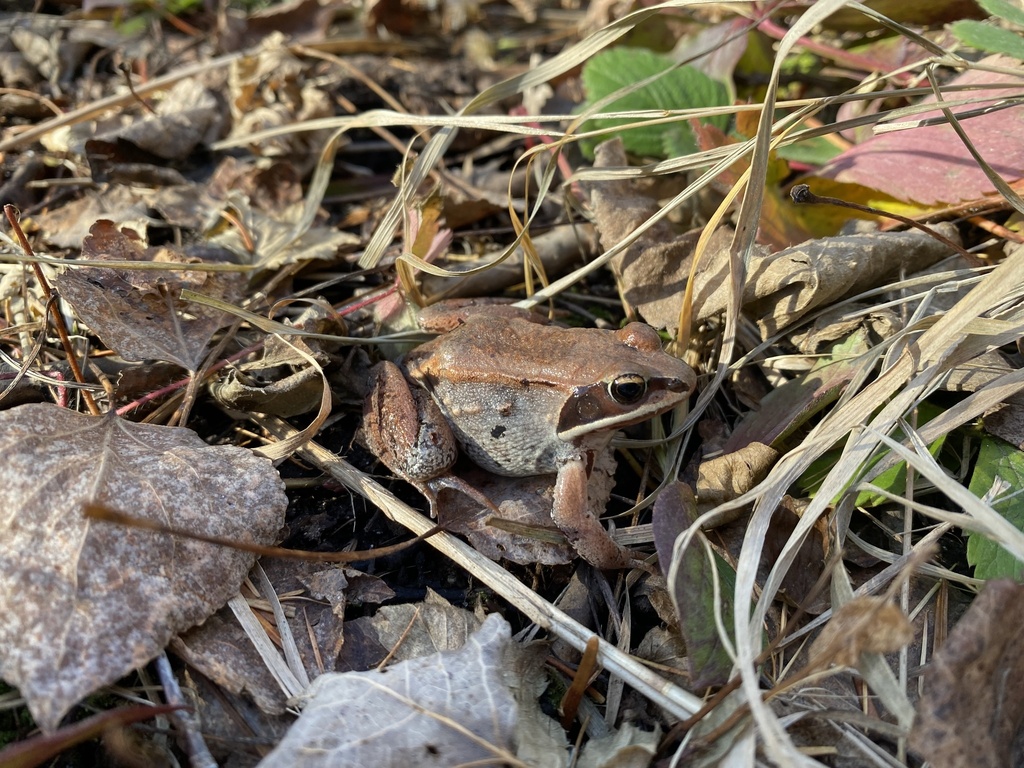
<point x="520" y="398"/>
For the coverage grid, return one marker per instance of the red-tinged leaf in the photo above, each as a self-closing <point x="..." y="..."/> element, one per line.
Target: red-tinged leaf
<point x="930" y="165"/>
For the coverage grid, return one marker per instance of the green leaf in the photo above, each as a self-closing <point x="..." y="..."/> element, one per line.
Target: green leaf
<point x="1002" y="9"/>
<point x="893" y="480"/>
<point x="816" y="151"/>
<point x="677" y="88"/>
<point x="997" y="458"/>
<point x="986" y="37"/>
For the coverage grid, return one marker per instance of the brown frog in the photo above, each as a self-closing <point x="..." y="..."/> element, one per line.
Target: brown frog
<point x="520" y="398"/>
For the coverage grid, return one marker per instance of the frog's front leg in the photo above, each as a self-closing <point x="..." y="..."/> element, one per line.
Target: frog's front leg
<point x="571" y="513"/>
<point x="405" y="429"/>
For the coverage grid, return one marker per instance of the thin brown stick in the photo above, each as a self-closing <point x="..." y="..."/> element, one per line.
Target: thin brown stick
<point x="111" y="515"/>
<point x="801" y="194"/>
<point x="58" y="322"/>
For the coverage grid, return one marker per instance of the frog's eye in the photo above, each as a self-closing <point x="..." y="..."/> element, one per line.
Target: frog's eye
<point x="628" y="388"/>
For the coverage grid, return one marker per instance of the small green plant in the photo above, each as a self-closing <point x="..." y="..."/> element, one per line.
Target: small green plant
<point x="986" y="36"/>
<point x="999" y="476"/>
<point x="678" y="87"/>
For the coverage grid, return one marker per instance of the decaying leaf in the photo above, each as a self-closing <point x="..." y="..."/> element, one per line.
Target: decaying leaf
<point x="448" y="708"/>
<point x="85" y="602"/>
<point x="785" y="286"/>
<point x="691" y="575"/>
<point x="868" y="624"/>
<point x="412" y="630"/>
<point x="224" y="654"/>
<point x="652" y="272"/>
<point x="186" y="116"/>
<point x="972" y="712"/>
<point x="285" y="238"/>
<point x="138" y="313"/>
<point x="222" y="651"/>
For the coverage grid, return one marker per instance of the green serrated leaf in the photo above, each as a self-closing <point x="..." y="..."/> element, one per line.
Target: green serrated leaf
<point x="997" y="459"/>
<point x="677" y="88"/>
<point x="986" y="37"/>
<point x="1002" y="9"/>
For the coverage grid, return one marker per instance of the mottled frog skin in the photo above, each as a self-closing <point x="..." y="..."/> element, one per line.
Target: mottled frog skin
<point x="521" y="398"/>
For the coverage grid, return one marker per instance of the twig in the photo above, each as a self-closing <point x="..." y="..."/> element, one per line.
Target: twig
<point x="58" y="321"/>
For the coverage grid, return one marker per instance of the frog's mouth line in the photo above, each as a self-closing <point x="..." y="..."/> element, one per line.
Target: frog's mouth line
<point x="592" y="409"/>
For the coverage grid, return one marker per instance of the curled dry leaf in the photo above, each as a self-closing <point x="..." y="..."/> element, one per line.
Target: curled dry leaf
<point x="972" y="711"/>
<point x="85" y="602"/>
<point x="869" y="624"/>
<point x="138" y="313"/>
<point x="448" y="708"/>
<point x="783" y="287"/>
<point x="652" y="272"/>
<point x="727" y="477"/>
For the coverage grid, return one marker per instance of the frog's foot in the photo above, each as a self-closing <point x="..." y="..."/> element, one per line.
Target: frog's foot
<point x="434" y="486"/>
<point x="581" y="526"/>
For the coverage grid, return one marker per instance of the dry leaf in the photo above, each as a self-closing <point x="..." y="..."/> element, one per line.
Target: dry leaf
<point x="412" y="630"/>
<point x="724" y="478"/>
<point x="137" y="313"/>
<point x="652" y="272"/>
<point x="783" y="287"/>
<point x="690" y="577"/>
<point x="972" y="712"/>
<point x="449" y="708"/>
<point x="85" y="602"/>
<point x="628" y="747"/>
<point x="523" y="532"/>
<point x="224" y="654"/>
<point x="186" y="116"/>
<point x="868" y="624"/>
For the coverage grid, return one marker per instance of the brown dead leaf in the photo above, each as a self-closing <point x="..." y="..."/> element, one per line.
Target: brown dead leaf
<point x="806" y="570"/>
<point x="724" y="478"/>
<point x="523" y="532"/>
<point x="270" y="88"/>
<point x="652" y="272"/>
<point x="138" y="313"/>
<point x="448" y="708"/>
<point x="186" y="116"/>
<point x="86" y="602"/>
<point x="220" y="649"/>
<point x="412" y="630"/>
<point x="783" y="287"/>
<point x="868" y="624"/>
<point x="972" y="712"/>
